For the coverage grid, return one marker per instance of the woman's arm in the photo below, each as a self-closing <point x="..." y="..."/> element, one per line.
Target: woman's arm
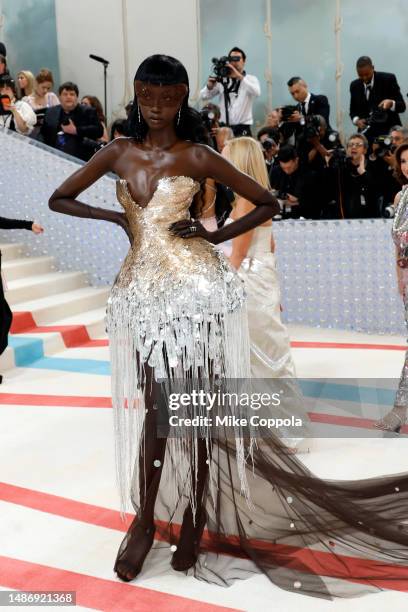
<point x="63" y="200"/>
<point x="401" y="275"/>
<point x="210" y="163"/>
<point x="15" y="224"/>
<point x="241" y="244"/>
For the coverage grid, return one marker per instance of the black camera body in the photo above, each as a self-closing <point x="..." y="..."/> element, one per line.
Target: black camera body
<point x="375" y="120"/>
<point x="221" y="70"/>
<point x="385" y="145"/>
<point x="208" y="117"/>
<point x="287" y="111"/>
<point x="311" y="126"/>
<point x="338" y="157"/>
<point x="377" y="117"/>
<point x="268" y="144"/>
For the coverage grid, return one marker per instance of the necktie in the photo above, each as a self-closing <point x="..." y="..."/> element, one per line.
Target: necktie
<point x="303" y="108"/>
<point x="368" y="91"/>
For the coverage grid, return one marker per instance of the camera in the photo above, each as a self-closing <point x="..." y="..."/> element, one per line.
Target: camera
<point x="312" y="126"/>
<point x="208" y="117"/>
<point x="339" y="156"/>
<point x="385" y="145"/>
<point x="221" y="70"/>
<point x="287" y="111"/>
<point x="377" y="116"/>
<point x="4" y="105"/>
<point x="389" y="212"/>
<point x="375" y="119"/>
<point x="268" y="144"/>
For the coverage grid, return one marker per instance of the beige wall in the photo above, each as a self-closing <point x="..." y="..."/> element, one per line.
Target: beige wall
<point x="123" y="32"/>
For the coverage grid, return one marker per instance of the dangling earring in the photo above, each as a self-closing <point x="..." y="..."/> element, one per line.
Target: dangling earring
<point x="178" y="116"/>
<point x="138" y="113"/>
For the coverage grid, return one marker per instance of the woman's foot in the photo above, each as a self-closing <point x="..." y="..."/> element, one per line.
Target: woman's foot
<point x="188" y="547"/>
<point x="394" y="420"/>
<point x="130" y="562"/>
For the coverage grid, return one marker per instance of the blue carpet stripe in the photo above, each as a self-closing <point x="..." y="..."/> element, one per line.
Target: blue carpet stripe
<point x="29" y="353"/>
<point x="348" y="393"/>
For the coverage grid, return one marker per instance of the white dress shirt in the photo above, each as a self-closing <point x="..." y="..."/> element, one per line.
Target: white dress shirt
<point x="306" y="102"/>
<point x="240" y="107"/>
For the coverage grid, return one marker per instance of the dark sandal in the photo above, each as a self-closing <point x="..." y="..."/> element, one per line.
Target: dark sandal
<point x="190" y="537"/>
<point x="127" y="570"/>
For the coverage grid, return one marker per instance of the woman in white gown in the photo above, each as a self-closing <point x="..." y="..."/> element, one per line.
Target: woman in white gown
<point x="252" y="255"/>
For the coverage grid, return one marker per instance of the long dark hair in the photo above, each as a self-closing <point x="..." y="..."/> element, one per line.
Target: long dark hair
<point x="96" y="104"/>
<point x="398" y="172"/>
<point x="166" y="70"/>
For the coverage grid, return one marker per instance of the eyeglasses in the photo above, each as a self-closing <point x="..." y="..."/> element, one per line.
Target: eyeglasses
<point x="355" y="144"/>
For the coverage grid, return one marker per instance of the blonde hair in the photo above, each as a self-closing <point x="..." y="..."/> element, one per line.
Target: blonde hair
<point x="246" y="154"/>
<point x="30" y="82"/>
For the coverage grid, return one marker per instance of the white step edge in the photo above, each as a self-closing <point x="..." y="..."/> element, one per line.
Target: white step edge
<point x="70" y="303"/>
<point x="11" y="250"/>
<point x="14" y="269"/>
<point x="42" y="285"/>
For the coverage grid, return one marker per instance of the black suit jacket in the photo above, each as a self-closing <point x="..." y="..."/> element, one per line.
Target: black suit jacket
<point x="318" y="105"/>
<point x="86" y="122"/>
<point x="385" y="87"/>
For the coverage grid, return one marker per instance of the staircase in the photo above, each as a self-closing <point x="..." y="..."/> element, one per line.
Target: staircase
<point x="51" y="310"/>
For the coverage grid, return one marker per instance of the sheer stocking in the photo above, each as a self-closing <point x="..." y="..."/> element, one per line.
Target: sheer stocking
<point x="139" y="539"/>
<point x="192" y="527"/>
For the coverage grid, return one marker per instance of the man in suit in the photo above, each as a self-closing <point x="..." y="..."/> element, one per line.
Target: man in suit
<point x="375" y="91"/>
<point x="308" y="103"/>
<point x="68" y="125"/>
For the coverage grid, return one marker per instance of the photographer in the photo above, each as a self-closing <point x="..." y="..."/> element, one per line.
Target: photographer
<point x="307" y="103"/>
<point x="70" y="126"/>
<point x="382" y="164"/>
<point x="293" y="184"/>
<point x="375" y="100"/>
<point x="236" y="89"/>
<point x="210" y="114"/>
<point x="399" y="135"/>
<point x="16" y="115"/>
<point x="356" y="194"/>
<point x="269" y="139"/>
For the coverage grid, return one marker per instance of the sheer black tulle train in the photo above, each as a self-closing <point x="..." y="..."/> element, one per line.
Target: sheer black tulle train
<point x="310" y="536"/>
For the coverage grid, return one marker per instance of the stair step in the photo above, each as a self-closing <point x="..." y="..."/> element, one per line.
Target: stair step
<point x="26" y="347"/>
<point x="14" y="269"/>
<point x="53" y="308"/>
<point x="94" y="321"/>
<point x="11" y="250"/>
<point x="42" y="285"/>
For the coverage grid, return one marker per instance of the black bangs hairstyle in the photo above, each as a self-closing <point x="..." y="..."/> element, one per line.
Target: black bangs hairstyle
<point x="166" y="70"/>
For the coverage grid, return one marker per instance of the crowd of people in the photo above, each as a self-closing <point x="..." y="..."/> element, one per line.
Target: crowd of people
<point x="74" y="125"/>
<point x="311" y="171"/>
<point x="314" y="174"/>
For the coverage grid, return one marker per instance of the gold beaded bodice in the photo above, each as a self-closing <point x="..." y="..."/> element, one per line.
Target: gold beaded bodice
<point x="171" y="293"/>
<point x="157" y="257"/>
